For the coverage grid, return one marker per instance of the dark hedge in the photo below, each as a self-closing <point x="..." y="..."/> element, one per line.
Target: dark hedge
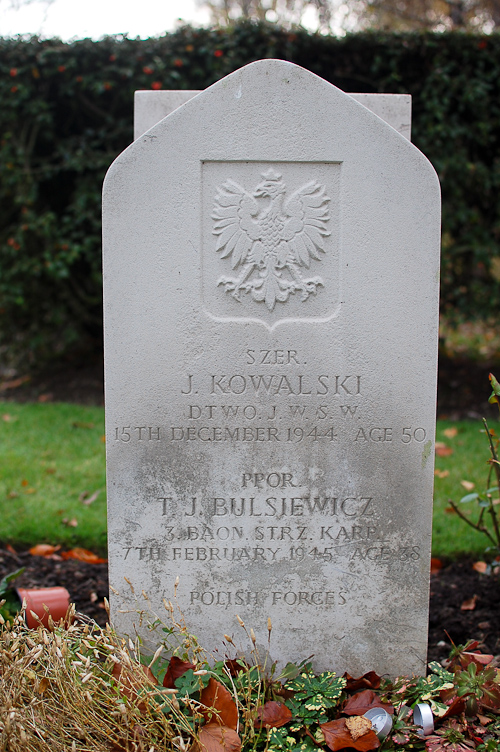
<point x="66" y="111"/>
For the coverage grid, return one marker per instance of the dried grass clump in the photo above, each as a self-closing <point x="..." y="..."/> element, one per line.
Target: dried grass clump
<point x="81" y="688"/>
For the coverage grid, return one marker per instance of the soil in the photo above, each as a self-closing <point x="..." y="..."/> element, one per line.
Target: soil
<point x="456" y="584"/>
<point x="463" y="392"/>
<point x="464" y="388"/>
<point x="79" y="379"/>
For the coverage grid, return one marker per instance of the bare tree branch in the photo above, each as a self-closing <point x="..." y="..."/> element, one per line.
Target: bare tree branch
<point x="397" y="15"/>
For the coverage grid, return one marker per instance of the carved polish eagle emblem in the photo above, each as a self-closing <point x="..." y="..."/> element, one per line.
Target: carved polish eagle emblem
<point x="269" y="238"/>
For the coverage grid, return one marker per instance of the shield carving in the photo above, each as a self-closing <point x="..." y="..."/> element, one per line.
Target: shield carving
<point x="270" y="241"/>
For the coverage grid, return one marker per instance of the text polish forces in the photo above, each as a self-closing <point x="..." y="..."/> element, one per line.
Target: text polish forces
<point x="326" y="599"/>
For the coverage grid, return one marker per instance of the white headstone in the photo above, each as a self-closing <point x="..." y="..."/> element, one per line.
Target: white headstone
<point x="271" y="267"/>
<point x="152" y="106"/>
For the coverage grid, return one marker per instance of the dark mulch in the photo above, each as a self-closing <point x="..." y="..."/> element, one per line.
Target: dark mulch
<point x="87" y="584"/>
<point x="455" y="585"/>
<point x="463" y="389"/>
<point x="79" y="379"/>
<point x="450" y="588"/>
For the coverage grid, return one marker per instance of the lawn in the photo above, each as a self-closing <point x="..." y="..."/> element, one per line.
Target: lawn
<point x="465" y="449"/>
<point x="52" y="467"/>
<point x="52" y="478"/>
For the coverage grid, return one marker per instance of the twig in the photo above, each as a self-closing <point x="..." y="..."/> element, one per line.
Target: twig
<point x="496" y="466"/>
<point x="472" y="524"/>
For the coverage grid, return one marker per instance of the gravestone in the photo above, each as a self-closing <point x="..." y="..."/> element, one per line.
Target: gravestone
<point x="152" y="106"/>
<point x="271" y="273"/>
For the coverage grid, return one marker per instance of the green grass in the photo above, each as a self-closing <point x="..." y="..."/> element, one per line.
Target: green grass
<point x="451" y="536"/>
<point x="51" y="454"/>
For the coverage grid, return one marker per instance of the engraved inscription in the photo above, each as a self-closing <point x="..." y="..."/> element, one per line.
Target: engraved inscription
<point x="341" y="530"/>
<point x="272" y="357"/>
<point x="322" y="432"/>
<point x="271" y="239"/>
<point x="247" y="598"/>
<point x="276" y="384"/>
<point x="282" y="405"/>
<point x="365" y="551"/>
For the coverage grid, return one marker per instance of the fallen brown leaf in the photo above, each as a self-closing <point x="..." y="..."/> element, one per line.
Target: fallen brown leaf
<point x="215" y="738"/>
<point x="220" y="707"/>
<point x="337" y="737"/>
<point x="8" y="418"/>
<point x="359" y="703"/>
<point x="484" y="720"/>
<point x="73" y="522"/>
<point x="450" y="433"/>
<point x="44" y="549"/>
<point x="469" y="604"/>
<point x="81" y="554"/>
<point x="235" y="665"/>
<point x="484" y="625"/>
<point x="467" y="484"/>
<point x="14" y="383"/>
<point x="436" y="565"/>
<point x="176" y="668"/>
<point x="480" y="566"/>
<point x="443" y="450"/>
<point x="87" y="498"/>
<point x="441" y="473"/>
<point x="42" y="685"/>
<point x="273" y="715"/>
<point x="371" y="680"/>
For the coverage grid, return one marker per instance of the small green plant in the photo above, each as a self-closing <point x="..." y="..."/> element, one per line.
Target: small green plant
<point x="314" y="695"/>
<point x="426" y="688"/>
<point x="487" y="520"/>
<point x="476" y="686"/>
<point x="9" y="600"/>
